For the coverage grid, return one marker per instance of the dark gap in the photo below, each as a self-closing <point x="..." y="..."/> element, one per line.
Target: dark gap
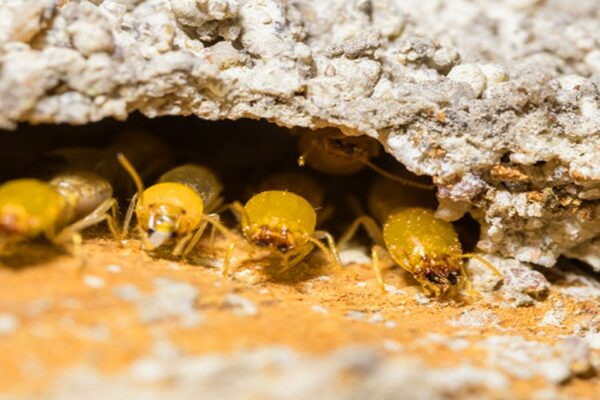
<point x="242" y="153"/>
<point x="505" y="157"/>
<point x="468" y="232"/>
<point x="565" y="264"/>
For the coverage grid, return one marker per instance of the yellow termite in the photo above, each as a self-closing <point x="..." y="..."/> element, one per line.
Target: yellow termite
<point x="329" y="151"/>
<point x="283" y="223"/>
<point x="175" y="209"/>
<point x="296" y="182"/>
<point x="419" y="242"/>
<point x="58" y="210"/>
<point x="304" y="186"/>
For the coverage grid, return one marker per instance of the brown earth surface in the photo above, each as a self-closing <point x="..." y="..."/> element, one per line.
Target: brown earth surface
<point x="69" y="315"/>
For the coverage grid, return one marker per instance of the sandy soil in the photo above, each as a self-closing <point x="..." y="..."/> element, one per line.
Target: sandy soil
<point x="58" y="315"/>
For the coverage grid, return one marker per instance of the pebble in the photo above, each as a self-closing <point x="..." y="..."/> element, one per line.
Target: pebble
<point x="356" y="315"/>
<point x="472" y="75"/>
<point x="149" y="370"/>
<point x="422" y="299"/>
<point x="240" y="305"/>
<point x="593" y="340"/>
<point x="171" y="300"/>
<point x="115" y="269"/>
<point x="319" y="309"/>
<point x="554" y="317"/>
<point x="127" y="292"/>
<point x="390" y="324"/>
<point x="392" y="345"/>
<point x="95" y="282"/>
<point x="376" y="318"/>
<point x="8" y="324"/>
<point x="392" y="289"/>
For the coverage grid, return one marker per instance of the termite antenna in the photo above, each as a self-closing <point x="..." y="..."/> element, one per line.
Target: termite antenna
<point x="133" y="173"/>
<point x="485" y="262"/>
<point x="402" y="181"/>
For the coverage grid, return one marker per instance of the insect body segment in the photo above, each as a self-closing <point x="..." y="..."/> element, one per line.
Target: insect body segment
<point x="58" y="210"/>
<point x="28" y="208"/>
<point x="174" y="208"/>
<point x="283" y="223"/>
<point x="428" y="248"/>
<point x="201" y="180"/>
<point x="88" y="200"/>
<point x="330" y="151"/>
<point x="420" y="243"/>
<point x="298" y="183"/>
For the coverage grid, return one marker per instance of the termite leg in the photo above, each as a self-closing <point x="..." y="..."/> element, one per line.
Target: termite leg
<point x="129" y="216"/>
<point x="212" y="233"/>
<point x="77" y="242"/>
<point x="370" y="226"/>
<point x="98" y="215"/>
<point x="376" y="265"/>
<point x="216" y="224"/>
<point x="319" y="235"/>
<point x="188" y="246"/>
<point x="219" y="226"/>
<point x="227" y="259"/>
<point x="332" y="255"/>
<point x="181" y="244"/>
<point x="237" y="210"/>
<point x="469" y="286"/>
<point x="295" y="258"/>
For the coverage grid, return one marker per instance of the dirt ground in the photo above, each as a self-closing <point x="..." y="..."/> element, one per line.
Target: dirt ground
<point x="65" y="315"/>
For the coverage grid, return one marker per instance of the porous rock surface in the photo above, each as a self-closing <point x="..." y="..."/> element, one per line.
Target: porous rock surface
<point x="496" y="100"/>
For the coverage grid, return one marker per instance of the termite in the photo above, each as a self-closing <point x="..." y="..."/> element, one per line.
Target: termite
<point x="283" y="223"/>
<point x="297" y="182"/>
<point x="175" y="209"/>
<point x="420" y="243"/>
<point x="304" y="186"/>
<point x="58" y="210"/>
<point x="329" y="151"/>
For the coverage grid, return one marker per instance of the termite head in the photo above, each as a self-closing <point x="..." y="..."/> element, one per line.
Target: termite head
<point x="164" y="211"/>
<point x="279" y="221"/>
<point x="277" y="239"/>
<point x="162" y="224"/>
<point x="330" y="151"/>
<point x="28" y="207"/>
<point x="167" y="211"/>
<point x="15" y="221"/>
<point x="443" y="277"/>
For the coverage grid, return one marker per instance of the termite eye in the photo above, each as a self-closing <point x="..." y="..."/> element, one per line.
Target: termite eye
<point x="261" y="243"/>
<point x="431" y="277"/>
<point x="283" y="248"/>
<point x="453" y="278"/>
